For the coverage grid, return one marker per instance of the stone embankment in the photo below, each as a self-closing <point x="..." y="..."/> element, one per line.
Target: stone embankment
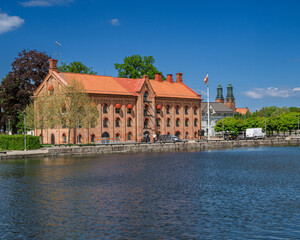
<point x="147" y="147"/>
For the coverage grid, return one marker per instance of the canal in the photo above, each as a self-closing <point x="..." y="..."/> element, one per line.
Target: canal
<point x="224" y="194"/>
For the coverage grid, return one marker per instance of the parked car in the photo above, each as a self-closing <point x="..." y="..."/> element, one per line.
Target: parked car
<point x="230" y="136"/>
<point x="255" y="133"/>
<point x="169" y="138"/>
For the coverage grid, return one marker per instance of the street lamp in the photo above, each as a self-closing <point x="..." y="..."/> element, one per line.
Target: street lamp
<point x="25" y="131"/>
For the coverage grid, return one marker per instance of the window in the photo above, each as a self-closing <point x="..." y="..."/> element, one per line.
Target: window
<point x="105" y="122"/>
<point x="64" y="137"/>
<point x="146" y="108"/>
<point x="158" y="111"/>
<point x="129" y="110"/>
<point x="186" y="122"/>
<point x="195" y="110"/>
<point x="104" y="108"/>
<point x="129" y="136"/>
<point x="145" y="96"/>
<point x="129" y="122"/>
<point x="93" y="123"/>
<point x="168" y="122"/>
<point x="117" y="110"/>
<point x="177" y="109"/>
<point x="93" y="138"/>
<point x="64" y="123"/>
<point x="186" y="108"/>
<point x="195" y="122"/>
<point x="168" y="109"/>
<point x="177" y="134"/>
<point x="118" y="135"/>
<point x="195" y="134"/>
<point x="158" y="122"/>
<point x="146" y="123"/>
<point x="177" y="122"/>
<point x="118" y="121"/>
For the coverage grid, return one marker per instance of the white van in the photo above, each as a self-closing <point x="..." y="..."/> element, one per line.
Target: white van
<point x="255" y="133"/>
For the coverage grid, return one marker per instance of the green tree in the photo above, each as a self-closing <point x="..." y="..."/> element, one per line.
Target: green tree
<point x="76" y="67"/>
<point x="29" y="113"/>
<point x="136" y="66"/>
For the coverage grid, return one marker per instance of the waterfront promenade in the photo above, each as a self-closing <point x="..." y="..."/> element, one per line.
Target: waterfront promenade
<point x="147" y="147"/>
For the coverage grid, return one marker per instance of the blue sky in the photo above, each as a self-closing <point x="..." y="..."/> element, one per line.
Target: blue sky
<point x="255" y="45"/>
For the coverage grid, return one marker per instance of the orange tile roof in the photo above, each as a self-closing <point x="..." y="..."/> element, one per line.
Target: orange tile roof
<point x="242" y="111"/>
<point x="128" y="86"/>
<point x="96" y="83"/>
<point x="178" y="90"/>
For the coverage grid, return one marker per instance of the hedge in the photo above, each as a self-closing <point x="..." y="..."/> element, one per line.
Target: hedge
<point x="16" y="142"/>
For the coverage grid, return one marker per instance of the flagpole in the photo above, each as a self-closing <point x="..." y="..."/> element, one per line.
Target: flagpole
<point x="208" y="125"/>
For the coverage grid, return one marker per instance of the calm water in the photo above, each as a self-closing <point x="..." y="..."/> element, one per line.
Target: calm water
<point x="249" y="193"/>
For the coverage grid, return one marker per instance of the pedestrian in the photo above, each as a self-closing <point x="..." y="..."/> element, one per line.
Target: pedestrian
<point x="154" y="137"/>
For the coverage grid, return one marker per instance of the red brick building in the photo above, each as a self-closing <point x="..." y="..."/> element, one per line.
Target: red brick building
<point x="129" y="108"/>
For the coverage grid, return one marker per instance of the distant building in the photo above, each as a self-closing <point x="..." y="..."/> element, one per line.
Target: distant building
<point x="220" y="109"/>
<point x="129" y="108"/>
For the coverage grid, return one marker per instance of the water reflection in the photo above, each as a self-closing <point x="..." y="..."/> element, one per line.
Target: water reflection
<point x="230" y="194"/>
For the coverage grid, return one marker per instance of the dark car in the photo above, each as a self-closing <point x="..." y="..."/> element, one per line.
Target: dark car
<point x="169" y="138"/>
<point x="230" y="136"/>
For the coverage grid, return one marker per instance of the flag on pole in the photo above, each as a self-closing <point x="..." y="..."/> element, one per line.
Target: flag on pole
<point x="206" y="79"/>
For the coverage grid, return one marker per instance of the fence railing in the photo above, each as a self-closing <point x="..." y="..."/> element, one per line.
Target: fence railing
<point x="104" y="140"/>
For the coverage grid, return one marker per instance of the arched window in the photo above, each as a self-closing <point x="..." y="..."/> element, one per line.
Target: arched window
<point x="186" y="122"/>
<point x="129" y="122"/>
<point x="177" y="122"/>
<point x="117" y="135"/>
<point x="146" y="123"/>
<point x="177" y="109"/>
<point x="93" y="123"/>
<point x="168" y="109"/>
<point x="195" y="134"/>
<point x="177" y="134"/>
<point x="93" y="138"/>
<point x="195" y="110"/>
<point x="105" y="122"/>
<point x="129" y="136"/>
<point x="105" y="108"/>
<point x="64" y="138"/>
<point x="118" y="122"/>
<point x="186" y="108"/>
<point x="145" y="96"/>
<point x="146" y="108"/>
<point x="168" y="122"/>
<point x="168" y="133"/>
<point x="186" y="135"/>
<point x="158" y="122"/>
<point x="195" y="122"/>
<point x="158" y="108"/>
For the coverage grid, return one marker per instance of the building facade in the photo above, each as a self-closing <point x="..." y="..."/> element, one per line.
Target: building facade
<point x="129" y="108"/>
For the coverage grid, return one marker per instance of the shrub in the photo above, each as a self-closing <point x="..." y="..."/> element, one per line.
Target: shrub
<point x="16" y="142"/>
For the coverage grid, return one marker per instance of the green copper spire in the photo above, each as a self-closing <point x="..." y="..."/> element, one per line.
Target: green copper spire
<point x="229" y="92"/>
<point x="219" y="93"/>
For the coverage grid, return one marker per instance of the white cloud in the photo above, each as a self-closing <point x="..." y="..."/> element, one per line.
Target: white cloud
<point x="44" y="3"/>
<point x="115" y="22"/>
<point x="9" y="23"/>
<point x="257" y="93"/>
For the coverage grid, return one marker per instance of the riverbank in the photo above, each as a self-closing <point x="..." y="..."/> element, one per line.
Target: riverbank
<point x="146" y="147"/>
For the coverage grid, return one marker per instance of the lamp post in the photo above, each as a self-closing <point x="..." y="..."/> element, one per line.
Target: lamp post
<point x="25" y="131"/>
<point x="9" y="125"/>
<point x="78" y="129"/>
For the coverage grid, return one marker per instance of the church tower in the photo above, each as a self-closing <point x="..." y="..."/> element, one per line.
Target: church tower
<point x="220" y="97"/>
<point x="230" y="101"/>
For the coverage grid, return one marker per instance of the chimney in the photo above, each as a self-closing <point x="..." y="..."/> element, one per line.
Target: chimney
<point x="179" y="77"/>
<point x="146" y="77"/>
<point x="53" y="65"/>
<point x="158" y="77"/>
<point x="170" y="78"/>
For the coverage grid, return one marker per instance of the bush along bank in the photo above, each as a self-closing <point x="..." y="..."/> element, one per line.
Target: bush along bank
<point x="17" y="142"/>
